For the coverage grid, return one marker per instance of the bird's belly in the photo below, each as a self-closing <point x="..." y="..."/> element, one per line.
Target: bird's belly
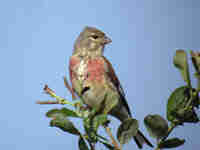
<point x="95" y="95"/>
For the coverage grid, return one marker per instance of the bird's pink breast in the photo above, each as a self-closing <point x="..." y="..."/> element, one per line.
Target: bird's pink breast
<point x="74" y="61"/>
<point x="95" y="69"/>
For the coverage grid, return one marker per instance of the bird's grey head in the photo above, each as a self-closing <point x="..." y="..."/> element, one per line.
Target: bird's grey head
<point x="91" y="40"/>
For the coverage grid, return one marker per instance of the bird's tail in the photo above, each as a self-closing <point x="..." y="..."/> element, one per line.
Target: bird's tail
<point x="140" y="139"/>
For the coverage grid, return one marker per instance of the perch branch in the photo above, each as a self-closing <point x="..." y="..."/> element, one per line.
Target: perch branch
<point x="67" y="85"/>
<point x="59" y="100"/>
<point x="114" y="142"/>
<point x="169" y="131"/>
<point x="47" y="102"/>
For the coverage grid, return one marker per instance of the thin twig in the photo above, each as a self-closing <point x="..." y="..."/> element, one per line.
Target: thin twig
<point x="67" y="85"/>
<point x="173" y="125"/>
<point x="47" y="102"/>
<point x="114" y="142"/>
<point x="171" y="128"/>
<point x="49" y="91"/>
<point x="59" y="100"/>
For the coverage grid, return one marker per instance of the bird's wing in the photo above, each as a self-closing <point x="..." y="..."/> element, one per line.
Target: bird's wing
<point x="113" y="78"/>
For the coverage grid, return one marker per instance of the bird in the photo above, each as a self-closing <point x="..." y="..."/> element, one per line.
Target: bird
<point x="94" y="80"/>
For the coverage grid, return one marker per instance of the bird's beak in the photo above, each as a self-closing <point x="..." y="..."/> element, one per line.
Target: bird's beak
<point x="107" y="40"/>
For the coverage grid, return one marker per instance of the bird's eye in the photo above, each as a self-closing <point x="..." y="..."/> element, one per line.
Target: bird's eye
<point x="94" y="37"/>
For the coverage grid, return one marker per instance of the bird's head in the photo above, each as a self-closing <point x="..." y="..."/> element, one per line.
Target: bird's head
<point x="91" y="41"/>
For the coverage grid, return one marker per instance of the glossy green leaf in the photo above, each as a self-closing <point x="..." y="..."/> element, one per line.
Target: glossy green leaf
<point x="69" y="113"/>
<point x="156" y="125"/>
<point x="127" y="130"/>
<point x="176" y="101"/>
<point x="53" y="113"/>
<point x="171" y="143"/>
<point x="180" y="107"/>
<point x="186" y="115"/>
<point x="65" y="112"/>
<point x="82" y="144"/>
<point x="180" y="61"/>
<point x="65" y="125"/>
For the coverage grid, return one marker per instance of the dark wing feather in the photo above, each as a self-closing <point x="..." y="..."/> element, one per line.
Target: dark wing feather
<point x="115" y="81"/>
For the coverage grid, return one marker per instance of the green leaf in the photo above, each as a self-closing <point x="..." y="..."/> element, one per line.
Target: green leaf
<point x="99" y="120"/>
<point x="180" y="62"/>
<point x="180" y="107"/>
<point x="187" y="115"/>
<point x="69" y="113"/>
<point x="156" y="125"/>
<point x="82" y="144"/>
<point x="127" y="130"/>
<point x="171" y="143"/>
<point x="107" y="145"/>
<point x="65" y="125"/>
<point x="176" y="101"/>
<point x="53" y="113"/>
<point x="65" y="112"/>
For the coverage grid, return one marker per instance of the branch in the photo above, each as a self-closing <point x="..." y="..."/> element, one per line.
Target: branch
<point x="172" y="126"/>
<point x="49" y="91"/>
<point x="67" y="85"/>
<point x="114" y="142"/>
<point x="47" y="102"/>
<point x="59" y="100"/>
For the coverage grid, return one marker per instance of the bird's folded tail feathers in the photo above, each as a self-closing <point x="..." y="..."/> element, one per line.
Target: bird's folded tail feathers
<point x="140" y="139"/>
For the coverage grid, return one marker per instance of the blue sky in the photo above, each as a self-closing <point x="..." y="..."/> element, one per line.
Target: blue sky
<point x="36" y="42"/>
